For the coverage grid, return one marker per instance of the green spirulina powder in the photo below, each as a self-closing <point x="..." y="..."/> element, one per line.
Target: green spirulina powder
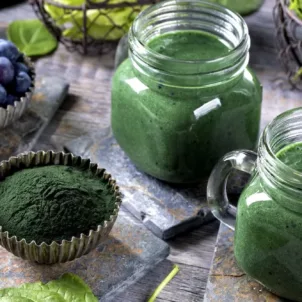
<point x="53" y="203"/>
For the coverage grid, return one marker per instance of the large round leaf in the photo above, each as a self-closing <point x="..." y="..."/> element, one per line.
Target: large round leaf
<point x="31" y="37"/>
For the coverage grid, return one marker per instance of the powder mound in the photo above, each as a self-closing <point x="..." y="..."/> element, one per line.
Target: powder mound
<point x="53" y="203"/>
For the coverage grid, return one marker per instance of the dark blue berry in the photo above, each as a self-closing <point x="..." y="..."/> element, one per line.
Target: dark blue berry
<point x="9" y="50"/>
<point x="22" y="82"/>
<point x="2" y="96"/>
<point x="6" y="71"/>
<point x="20" y="67"/>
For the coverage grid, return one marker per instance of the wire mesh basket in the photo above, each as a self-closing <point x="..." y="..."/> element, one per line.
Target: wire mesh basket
<point x="289" y="41"/>
<point x="88" y="26"/>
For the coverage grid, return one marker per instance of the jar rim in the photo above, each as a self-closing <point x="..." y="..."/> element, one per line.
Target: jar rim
<point x="214" y="6"/>
<point x="273" y="133"/>
<point x="197" y="15"/>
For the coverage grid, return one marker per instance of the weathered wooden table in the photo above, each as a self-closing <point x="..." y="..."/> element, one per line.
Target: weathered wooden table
<point x="87" y="108"/>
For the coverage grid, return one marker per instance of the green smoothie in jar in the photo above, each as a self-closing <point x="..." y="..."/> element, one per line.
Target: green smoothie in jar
<point x="274" y="240"/>
<point x="185" y="96"/>
<point x="268" y="225"/>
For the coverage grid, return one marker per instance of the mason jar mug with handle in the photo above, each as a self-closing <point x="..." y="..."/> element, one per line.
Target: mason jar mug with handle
<point x="268" y="218"/>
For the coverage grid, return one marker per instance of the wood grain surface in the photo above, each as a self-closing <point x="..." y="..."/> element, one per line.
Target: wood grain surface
<point x="87" y="108"/>
<point x="227" y="282"/>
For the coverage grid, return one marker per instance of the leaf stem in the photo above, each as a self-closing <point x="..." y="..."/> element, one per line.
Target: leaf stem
<point x="171" y="275"/>
<point x="297" y="75"/>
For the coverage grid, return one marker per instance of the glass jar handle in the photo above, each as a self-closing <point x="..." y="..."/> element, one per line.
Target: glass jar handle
<point x="242" y="160"/>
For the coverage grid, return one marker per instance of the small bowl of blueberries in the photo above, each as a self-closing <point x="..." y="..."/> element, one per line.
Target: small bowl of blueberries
<point x="17" y="78"/>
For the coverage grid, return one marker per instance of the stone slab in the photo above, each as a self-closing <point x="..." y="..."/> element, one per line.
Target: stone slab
<point x="163" y="208"/>
<point x="227" y="282"/>
<point x="128" y="254"/>
<point x="24" y="133"/>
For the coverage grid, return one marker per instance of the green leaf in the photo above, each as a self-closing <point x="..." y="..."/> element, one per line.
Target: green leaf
<point x="15" y="299"/>
<point x="69" y="288"/>
<point x="31" y="37"/>
<point x="296" y="6"/>
<point x="32" y="295"/>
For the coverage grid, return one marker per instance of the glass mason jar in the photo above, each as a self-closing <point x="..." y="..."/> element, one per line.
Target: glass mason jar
<point x="176" y="117"/>
<point x="243" y="7"/>
<point x="268" y="227"/>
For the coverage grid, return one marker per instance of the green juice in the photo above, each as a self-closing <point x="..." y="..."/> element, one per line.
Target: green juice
<point x="189" y="45"/>
<point x="268" y="237"/>
<point x="176" y="133"/>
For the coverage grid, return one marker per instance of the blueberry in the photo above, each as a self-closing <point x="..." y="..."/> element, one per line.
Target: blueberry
<point x="2" y="96"/>
<point x="20" y="67"/>
<point x="6" y="71"/>
<point x="22" y="82"/>
<point x="9" y="50"/>
<point x="10" y="99"/>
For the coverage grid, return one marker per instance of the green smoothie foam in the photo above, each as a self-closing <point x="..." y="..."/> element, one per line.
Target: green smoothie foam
<point x="189" y="45"/>
<point x="268" y="237"/>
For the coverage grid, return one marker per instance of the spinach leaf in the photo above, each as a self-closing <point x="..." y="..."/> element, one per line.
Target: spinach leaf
<point x="69" y="288"/>
<point x="31" y="37"/>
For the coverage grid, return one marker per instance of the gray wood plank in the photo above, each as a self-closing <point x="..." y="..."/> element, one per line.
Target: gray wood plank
<point x="193" y="251"/>
<point x="227" y="282"/>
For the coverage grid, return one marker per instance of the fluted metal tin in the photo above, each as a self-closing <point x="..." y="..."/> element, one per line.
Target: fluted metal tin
<point x="57" y="252"/>
<point x="12" y="113"/>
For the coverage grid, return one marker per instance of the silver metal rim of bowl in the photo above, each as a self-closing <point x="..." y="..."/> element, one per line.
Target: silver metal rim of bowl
<point x="13" y="113"/>
<point x="66" y="250"/>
